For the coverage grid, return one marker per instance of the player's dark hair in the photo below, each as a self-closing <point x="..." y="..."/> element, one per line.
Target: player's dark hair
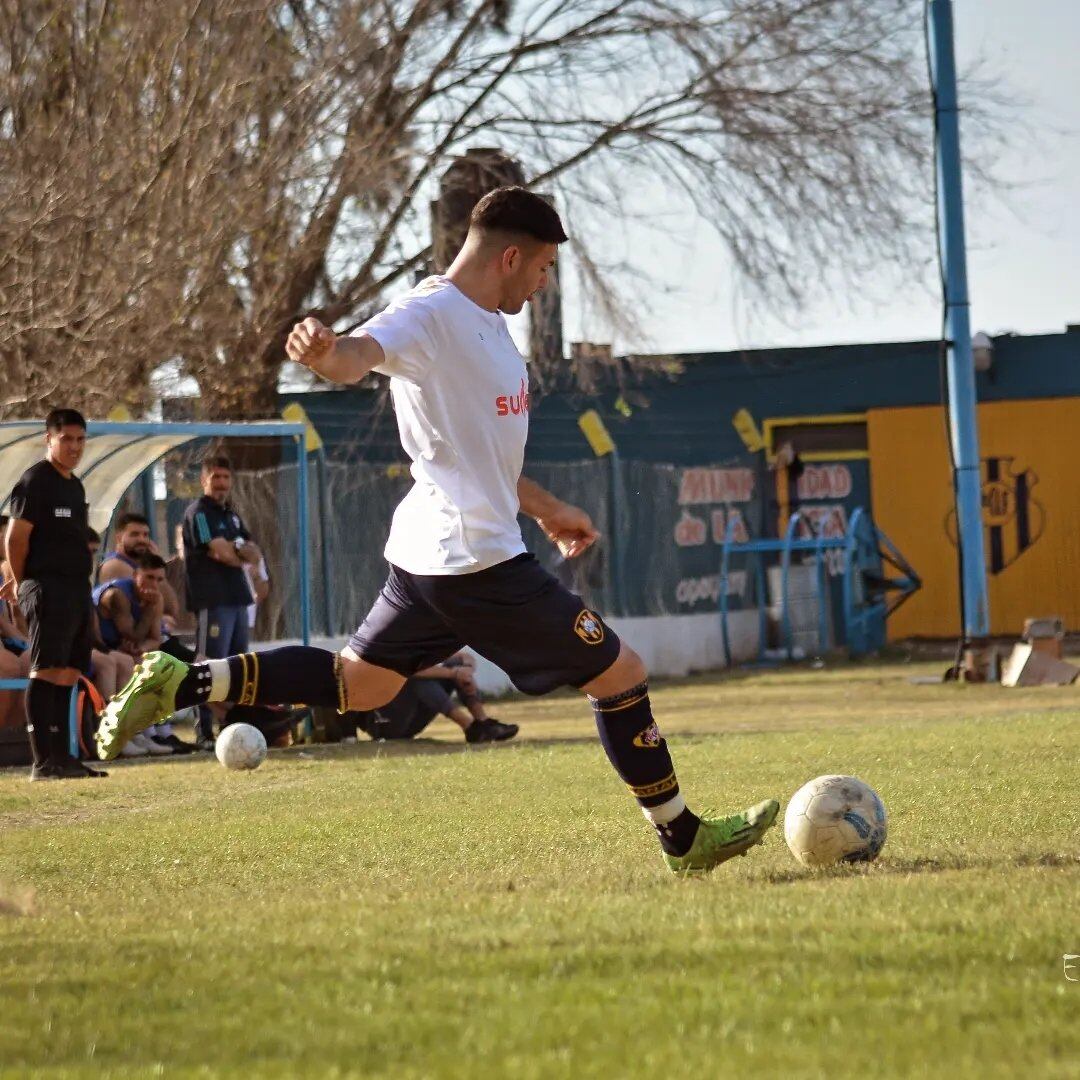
<point x="130" y="518"/>
<point x="58" y="419"/>
<point x="92" y="536"/>
<point x="517" y="210"/>
<point x="216" y="461"/>
<point x="150" y="561"/>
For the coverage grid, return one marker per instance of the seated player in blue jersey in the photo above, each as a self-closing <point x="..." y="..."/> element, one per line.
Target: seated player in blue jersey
<point x="131" y="621"/>
<point x="133" y="540"/>
<point x="130" y="609"/>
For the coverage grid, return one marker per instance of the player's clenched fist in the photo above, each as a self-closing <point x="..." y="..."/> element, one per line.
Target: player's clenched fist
<point x="309" y="342"/>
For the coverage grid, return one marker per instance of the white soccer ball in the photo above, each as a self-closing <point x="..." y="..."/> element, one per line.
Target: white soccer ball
<point x="835" y="819"/>
<point x="240" y="746"/>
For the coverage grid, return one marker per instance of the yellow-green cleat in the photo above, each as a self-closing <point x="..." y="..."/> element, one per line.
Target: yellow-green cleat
<point x="148" y="698"/>
<point x="720" y="839"/>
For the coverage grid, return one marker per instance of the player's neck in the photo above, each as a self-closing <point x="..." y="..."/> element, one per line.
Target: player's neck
<point x="473" y="282"/>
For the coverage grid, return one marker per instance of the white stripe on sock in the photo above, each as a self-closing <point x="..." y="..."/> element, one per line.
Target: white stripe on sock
<point x="665" y="812"/>
<point x="219" y="679"/>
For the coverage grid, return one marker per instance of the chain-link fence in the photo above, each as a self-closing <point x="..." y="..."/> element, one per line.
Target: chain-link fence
<point x="646" y="564"/>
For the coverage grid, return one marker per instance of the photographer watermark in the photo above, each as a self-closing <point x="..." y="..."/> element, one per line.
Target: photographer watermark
<point x="1071" y="963"/>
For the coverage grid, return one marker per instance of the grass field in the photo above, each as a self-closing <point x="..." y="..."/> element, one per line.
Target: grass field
<point x="430" y="911"/>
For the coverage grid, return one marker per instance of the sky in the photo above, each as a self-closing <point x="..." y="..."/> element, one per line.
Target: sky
<point x="1023" y="244"/>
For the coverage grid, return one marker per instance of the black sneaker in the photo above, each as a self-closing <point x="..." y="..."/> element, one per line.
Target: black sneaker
<point x="69" y="769"/>
<point x="489" y="730"/>
<point x="73" y="769"/>
<point x="206" y="743"/>
<point x="175" y="743"/>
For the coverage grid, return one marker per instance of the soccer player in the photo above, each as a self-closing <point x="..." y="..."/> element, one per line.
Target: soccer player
<point x="132" y="532"/>
<point x="459" y="571"/>
<point x="49" y="562"/>
<point x="130" y="608"/>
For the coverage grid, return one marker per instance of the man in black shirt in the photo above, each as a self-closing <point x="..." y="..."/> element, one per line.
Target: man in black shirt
<point x="49" y="562"/>
<point x="216" y="548"/>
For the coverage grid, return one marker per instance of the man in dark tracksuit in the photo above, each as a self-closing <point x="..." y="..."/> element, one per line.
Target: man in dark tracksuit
<point x="216" y="548"/>
<point x="49" y="557"/>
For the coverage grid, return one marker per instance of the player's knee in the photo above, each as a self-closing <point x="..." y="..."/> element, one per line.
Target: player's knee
<point x="364" y="700"/>
<point x="367" y="686"/>
<point x="627" y="672"/>
<point x="631" y="666"/>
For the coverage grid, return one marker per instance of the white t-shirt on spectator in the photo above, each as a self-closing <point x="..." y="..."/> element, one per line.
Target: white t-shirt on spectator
<point x="461" y="394"/>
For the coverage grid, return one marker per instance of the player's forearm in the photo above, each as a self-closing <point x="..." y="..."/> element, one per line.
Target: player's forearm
<point x="349" y="360"/>
<point x="121" y="617"/>
<point x="172" y="602"/>
<point x="17" y="550"/>
<point x="536" y="501"/>
<point x="249" y="553"/>
<point x="148" y="624"/>
<point x="438" y="671"/>
<point x="220" y="550"/>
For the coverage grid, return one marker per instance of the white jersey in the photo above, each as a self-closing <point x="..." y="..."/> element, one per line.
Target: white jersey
<point x="461" y="394"/>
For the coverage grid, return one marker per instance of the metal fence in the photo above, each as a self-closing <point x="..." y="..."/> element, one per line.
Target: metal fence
<point x="647" y="562"/>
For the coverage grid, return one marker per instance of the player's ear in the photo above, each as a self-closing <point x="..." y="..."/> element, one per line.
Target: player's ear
<point x="511" y="257"/>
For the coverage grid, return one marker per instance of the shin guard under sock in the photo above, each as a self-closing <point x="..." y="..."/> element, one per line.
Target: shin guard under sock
<point x="292" y="675"/>
<point x="640" y="756"/>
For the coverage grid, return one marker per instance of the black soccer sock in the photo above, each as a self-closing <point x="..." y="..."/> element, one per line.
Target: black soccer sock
<point x="293" y="675"/>
<point x="640" y="756"/>
<point x="47" y="710"/>
<point x="38" y="704"/>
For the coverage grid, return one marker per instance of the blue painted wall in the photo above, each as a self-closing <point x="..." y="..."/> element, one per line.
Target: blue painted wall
<point x="687" y="419"/>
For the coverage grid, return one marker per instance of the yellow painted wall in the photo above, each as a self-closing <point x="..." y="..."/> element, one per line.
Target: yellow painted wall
<point x="911" y="489"/>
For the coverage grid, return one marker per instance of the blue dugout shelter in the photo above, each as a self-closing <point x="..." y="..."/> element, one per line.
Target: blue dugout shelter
<point x="118" y="453"/>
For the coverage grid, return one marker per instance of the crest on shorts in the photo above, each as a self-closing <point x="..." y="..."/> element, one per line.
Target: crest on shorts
<point x="648" y="738"/>
<point x="589" y="628"/>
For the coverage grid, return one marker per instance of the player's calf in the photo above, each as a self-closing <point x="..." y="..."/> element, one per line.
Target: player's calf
<point x="294" y="674"/>
<point x="640" y="756"/>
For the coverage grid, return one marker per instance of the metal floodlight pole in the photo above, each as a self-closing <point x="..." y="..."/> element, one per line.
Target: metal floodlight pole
<point x="963" y="424"/>
<point x="302" y="547"/>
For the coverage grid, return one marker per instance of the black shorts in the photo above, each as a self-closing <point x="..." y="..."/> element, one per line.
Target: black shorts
<point x="59" y="613"/>
<point x="515" y="613"/>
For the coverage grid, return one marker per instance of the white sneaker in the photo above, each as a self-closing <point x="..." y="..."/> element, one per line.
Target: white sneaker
<point x="150" y="747"/>
<point x="134" y="749"/>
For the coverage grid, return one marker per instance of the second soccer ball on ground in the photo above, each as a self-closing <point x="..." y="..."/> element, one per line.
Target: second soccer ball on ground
<point x="240" y="746"/>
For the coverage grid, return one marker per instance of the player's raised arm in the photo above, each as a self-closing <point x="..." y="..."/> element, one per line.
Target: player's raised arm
<point x="339" y="359"/>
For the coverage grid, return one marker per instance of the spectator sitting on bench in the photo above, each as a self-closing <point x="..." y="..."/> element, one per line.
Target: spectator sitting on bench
<point x="109" y="669"/>
<point x="130" y="608"/>
<point x="14" y="655"/>
<point x="14" y="633"/>
<point x="132" y="533"/>
<point x="129" y="614"/>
